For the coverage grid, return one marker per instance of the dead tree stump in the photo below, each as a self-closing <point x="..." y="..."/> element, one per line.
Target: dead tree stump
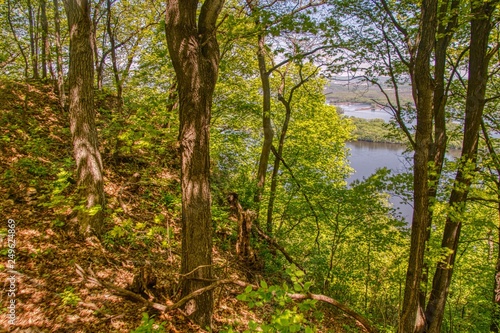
<point x="244" y="218"/>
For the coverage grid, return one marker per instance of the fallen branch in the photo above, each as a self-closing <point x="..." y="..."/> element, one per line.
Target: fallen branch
<point x="362" y="320"/>
<point x="91" y="277"/>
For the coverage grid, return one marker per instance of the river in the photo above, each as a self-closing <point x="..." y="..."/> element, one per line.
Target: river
<point x="366" y="157"/>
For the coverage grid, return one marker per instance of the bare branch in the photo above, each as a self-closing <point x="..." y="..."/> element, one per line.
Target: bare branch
<point x="297" y="56"/>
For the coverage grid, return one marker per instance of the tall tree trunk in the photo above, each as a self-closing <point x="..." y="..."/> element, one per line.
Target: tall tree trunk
<point x="82" y="117"/>
<point x="495" y="316"/>
<point x="33" y="51"/>
<point x="276" y="166"/>
<point x="13" y="30"/>
<point x="447" y="22"/>
<point x="495" y="322"/>
<point x="474" y="106"/>
<point x="284" y="129"/>
<point x="412" y="313"/>
<point x="194" y="51"/>
<point x="45" y="40"/>
<point x="98" y="63"/>
<point x="266" y="124"/>
<point x="59" y="60"/>
<point x="112" y="41"/>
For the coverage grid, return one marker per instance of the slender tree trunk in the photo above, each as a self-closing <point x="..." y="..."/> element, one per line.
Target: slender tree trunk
<point x="495" y="316"/>
<point x="476" y="90"/>
<point x="112" y="41"/>
<point x="412" y="318"/>
<point x="11" y="25"/>
<point x="284" y="129"/>
<point x="447" y="22"/>
<point x="98" y="63"/>
<point x="266" y="124"/>
<point x="59" y="60"/>
<point x="45" y="39"/>
<point x="33" y="53"/>
<point x="194" y="51"/>
<point x="495" y="320"/>
<point x="276" y="166"/>
<point x="82" y="117"/>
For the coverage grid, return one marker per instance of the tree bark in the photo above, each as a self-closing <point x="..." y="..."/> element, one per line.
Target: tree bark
<point x="194" y="51"/>
<point x="98" y="62"/>
<point x="447" y="22"/>
<point x="33" y="50"/>
<point x="495" y="316"/>
<point x="412" y="319"/>
<point x="244" y="220"/>
<point x="266" y="124"/>
<point x="112" y="41"/>
<point x="45" y="40"/>
<point x="82" y="117"/>
<point x="59" y="60"/>
<point x="474" y="106"/>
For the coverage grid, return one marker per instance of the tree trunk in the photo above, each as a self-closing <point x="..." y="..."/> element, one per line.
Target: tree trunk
<point x="476" y="90"/>
<point x="447" y="22"/>
<point x="266" y="124"/>
<point x="412" y="313"/>
<point x="59" y="60"/>
<point x="244" y="220"/>
<point x="195" y="56"/>
<point x="284" y="129"/>
<point x="98" y="63"/>
<point x="112" y="41"/>
<point x="82" y="117"/>
<point x="33" y="51"/>
<point x="14" y="34"/>
<point x="45" y="40"/>
<point x="495" y="322"/>
<point x="495" y="315"/>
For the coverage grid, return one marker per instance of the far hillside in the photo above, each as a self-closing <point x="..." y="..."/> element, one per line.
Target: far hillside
<point x="343" y="89"/>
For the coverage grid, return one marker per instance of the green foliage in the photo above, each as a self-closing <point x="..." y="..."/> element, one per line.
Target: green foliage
<point x="373" y="130"/>
<point x="148" y="325"/>
<point x="282" y="313"/>
<point x="59" y="197"/>
<point x="120" y="234"/>
<point x="69" y="297"/>
<point x="33" y="167"/>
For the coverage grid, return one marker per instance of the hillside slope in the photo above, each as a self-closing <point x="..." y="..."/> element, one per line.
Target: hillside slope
<point x="140" y="249"/>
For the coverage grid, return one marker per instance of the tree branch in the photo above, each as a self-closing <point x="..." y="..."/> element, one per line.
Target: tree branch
<point x="301" y="55"/>
<point x="210" y="11"/>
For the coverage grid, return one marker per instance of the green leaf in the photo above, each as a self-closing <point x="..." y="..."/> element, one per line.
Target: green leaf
<point x="263" y="284"/>
<point x="299" y="273"/>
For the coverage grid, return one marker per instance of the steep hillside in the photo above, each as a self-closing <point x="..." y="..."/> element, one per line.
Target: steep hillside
<point x="140" y="251"/>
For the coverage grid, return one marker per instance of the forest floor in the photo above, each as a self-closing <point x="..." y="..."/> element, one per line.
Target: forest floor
<point x="139" y="251"/>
